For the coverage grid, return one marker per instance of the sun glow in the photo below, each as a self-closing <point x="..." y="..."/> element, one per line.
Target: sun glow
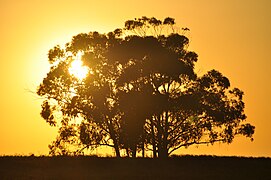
<point x="77" y="69"/>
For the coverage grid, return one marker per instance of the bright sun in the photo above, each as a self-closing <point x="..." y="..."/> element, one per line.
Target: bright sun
<point x="77" y="69"/>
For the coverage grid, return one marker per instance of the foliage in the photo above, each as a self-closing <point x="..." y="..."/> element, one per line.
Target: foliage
<point x="141" y="93"/>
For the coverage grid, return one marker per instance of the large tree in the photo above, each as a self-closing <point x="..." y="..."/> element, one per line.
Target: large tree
<point x="141" y="93"/>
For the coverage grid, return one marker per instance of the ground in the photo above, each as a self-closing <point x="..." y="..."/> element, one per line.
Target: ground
<point x="183" y="167"/>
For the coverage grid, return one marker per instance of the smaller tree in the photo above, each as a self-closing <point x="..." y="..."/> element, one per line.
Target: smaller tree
<point x="83" y="108"/>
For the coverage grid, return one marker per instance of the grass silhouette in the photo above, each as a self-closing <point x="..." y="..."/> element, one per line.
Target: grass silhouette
<point x="91" y="167"/>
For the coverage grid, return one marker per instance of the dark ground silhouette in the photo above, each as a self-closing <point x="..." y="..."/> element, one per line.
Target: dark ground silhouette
<point x="184" y="167"/>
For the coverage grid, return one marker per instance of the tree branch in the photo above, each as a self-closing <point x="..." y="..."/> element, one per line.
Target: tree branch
<point x="194" y="142"/>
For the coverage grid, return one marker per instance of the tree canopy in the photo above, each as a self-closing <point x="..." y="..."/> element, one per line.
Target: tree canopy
<point x="140" y="93"/>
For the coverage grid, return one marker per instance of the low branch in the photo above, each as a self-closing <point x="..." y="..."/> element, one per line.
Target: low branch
<point x="87" y="146"/>
<point x="194" y="142"/>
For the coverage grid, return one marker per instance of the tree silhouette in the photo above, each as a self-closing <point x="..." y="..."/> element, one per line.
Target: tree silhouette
<point x="141" y="93"/>
<point x="90" y="100"/>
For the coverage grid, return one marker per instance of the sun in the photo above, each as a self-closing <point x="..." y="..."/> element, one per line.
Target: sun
<point x="77" y="69"/>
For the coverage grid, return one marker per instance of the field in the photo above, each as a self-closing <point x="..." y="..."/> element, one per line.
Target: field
<point x="182" y="167"/>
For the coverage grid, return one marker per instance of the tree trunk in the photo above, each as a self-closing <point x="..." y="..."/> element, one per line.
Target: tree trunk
<point x="154" y="152"/>
<point x="114" y="138"/>
<point x="116" y="145"/>
<point x="127" y="152"/>
<point x="143" y="149"/>
<point x="159" y="137"/>
<point x="163" y="153"/>
<point x="134" y="151"/>
<point x="117" y="150"/>
<point x="165" y="136"/>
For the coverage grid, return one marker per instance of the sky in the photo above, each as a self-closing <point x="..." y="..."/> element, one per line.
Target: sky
<point x="228" y="35"/>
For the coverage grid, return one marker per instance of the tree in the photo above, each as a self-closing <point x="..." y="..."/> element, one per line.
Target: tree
<point x="83" y="108"/>
<point x="141" y="93"/>
<point x="192" y="110"/>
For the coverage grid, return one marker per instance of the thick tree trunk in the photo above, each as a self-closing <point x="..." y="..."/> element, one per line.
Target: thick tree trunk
<point x="116" y="145"/>
<point x="163" y="135"/>
<point x="163" y="153"/>
<point x="134" y="151"/>
<point x="117" y="150"/>
<point x="127" y="152"/>
<point x="114" y="138"/>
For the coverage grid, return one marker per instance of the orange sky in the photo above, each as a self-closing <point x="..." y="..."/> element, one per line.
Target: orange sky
<point x="231" y="36"/>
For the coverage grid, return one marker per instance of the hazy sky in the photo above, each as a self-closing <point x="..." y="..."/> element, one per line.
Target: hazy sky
<point x="232" y="36"/>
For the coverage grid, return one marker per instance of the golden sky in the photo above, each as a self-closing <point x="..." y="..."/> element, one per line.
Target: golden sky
<point x="231" y="36"/>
